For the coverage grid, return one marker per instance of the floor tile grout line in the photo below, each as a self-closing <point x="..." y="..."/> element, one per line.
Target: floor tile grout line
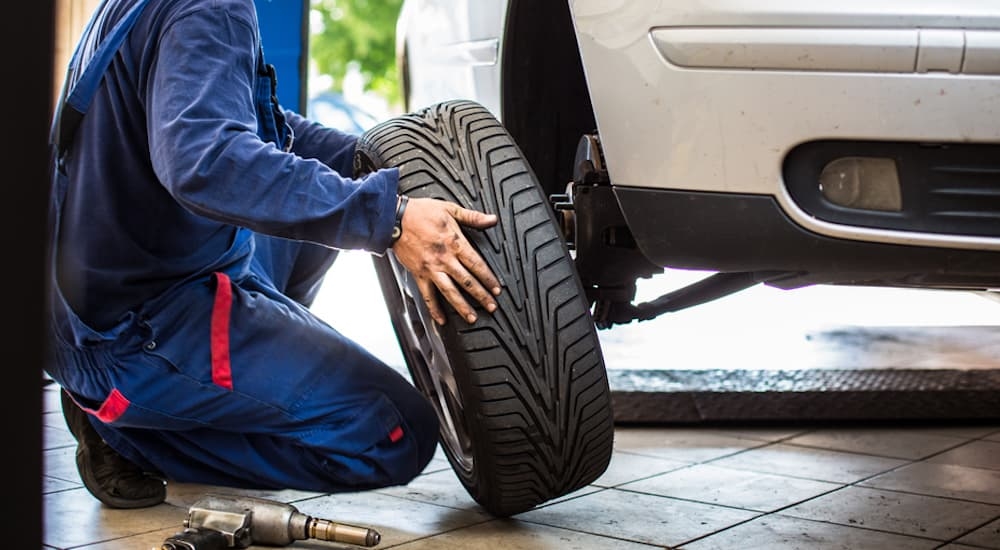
<point x="864" y="528"/>
<point x="744" y="469"/>
<point x="644" y="478"/>
<point x="856" y="483"/>
<point x="842" y="486"/>
<point x="973" y="530"/>
<point x="861" y="528"/>
<point x="912" y="493"/>
<point x="761" y="445"/>
<point x="939" y="453"/>
<point x="730" y="506"/>
<point x="455" y="508"/>
<point x="853" y="485"/>
<point x="438" y="533"/>
<point x="759" y="514"/>
<point x="77" y="481"/>
<point x="560" y="500"/>
<point x="58" y="492"/>
<point x="724" y="529"/>
<point x="407" y="499"/>
<point x="709" y="462"/>
<point x="786" y="441"/>
<point x="131" y="534"/>
<point x="602" y="535"/>
<point x="778" y="512"/>
<point x="920" y="459"/>
<point x="712" y="462"/>
<point x="924" y="460"/>
<point x="906" y="464"/>
<point x="805" y="431"/>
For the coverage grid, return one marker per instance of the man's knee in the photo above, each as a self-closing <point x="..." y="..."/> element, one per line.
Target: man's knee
<point x="420" y="437"/>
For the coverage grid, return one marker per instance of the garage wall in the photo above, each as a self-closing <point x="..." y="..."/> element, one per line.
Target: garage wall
<point x="283" y="28"/>
<point x="70" y="18"/>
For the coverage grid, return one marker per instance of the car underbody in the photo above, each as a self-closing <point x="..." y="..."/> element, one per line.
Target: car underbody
<point x="621" y="233"/>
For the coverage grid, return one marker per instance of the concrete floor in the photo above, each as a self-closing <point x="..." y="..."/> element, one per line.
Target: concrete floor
<point x="725" y="487"/>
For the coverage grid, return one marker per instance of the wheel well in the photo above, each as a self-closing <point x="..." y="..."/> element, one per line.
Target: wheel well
<point x="545" y="102"/>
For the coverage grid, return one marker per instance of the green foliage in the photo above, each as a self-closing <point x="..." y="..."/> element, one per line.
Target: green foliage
<point x="359" y="31"/>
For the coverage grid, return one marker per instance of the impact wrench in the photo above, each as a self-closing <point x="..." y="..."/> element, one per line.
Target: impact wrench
<point x="228" y="521"/>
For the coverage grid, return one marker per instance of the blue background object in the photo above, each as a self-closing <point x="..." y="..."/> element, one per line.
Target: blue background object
<point x="284" y="26"/>
<point x="332" y="110"/>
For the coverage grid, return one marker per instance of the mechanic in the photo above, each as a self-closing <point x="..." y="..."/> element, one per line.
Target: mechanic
<point x="192" y="219"/>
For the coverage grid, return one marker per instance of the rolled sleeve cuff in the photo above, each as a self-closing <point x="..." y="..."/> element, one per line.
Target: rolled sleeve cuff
<point x="385" y="185"/>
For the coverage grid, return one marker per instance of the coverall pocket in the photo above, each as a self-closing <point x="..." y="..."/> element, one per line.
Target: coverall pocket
<point x="179" y="332"/>
<point x="120" y="411"/>
<point x="166" y="381"/>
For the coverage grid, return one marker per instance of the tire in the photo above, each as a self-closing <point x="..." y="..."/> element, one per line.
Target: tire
<point x="522" y="394"/>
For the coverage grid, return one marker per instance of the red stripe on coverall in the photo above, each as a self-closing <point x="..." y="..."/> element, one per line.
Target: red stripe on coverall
<point x="222" y="373"/>
<point x="396" y="434"/>
<point x="112" y="408"/>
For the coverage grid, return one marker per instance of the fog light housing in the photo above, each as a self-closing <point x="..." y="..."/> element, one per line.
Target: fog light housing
<point x="864" y="183"/>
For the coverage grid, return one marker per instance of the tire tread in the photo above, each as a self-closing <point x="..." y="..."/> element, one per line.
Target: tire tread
<point x="536" y="382"/>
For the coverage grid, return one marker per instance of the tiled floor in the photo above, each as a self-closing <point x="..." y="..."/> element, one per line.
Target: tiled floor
<point x="796" y="486"/>
<point x="725" y="487"/>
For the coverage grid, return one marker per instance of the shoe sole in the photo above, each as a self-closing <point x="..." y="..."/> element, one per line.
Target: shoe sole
<point x="87" y="475"/>
<point x="90" y="482"/>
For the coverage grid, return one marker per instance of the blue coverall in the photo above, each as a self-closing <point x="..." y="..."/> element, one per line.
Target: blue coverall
<point x="192" y="222"/>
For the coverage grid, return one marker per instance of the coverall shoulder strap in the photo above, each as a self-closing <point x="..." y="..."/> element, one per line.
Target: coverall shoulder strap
<point x="86" y="69"/>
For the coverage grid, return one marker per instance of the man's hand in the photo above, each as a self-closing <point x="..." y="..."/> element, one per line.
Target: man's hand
<point x="433" y="248"/>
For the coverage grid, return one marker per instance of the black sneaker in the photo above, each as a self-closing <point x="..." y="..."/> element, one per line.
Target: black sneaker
<point x="109" y="476"/>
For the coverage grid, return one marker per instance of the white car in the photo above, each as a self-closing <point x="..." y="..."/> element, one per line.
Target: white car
<point x="783" y="142"/>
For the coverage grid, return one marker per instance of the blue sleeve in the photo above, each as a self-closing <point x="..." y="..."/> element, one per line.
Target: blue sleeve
<point x="330" y="146"/>
<point x="206" y="152"/>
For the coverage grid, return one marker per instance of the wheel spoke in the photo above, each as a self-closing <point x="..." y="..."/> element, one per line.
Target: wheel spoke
<point x="433" y="367"/>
